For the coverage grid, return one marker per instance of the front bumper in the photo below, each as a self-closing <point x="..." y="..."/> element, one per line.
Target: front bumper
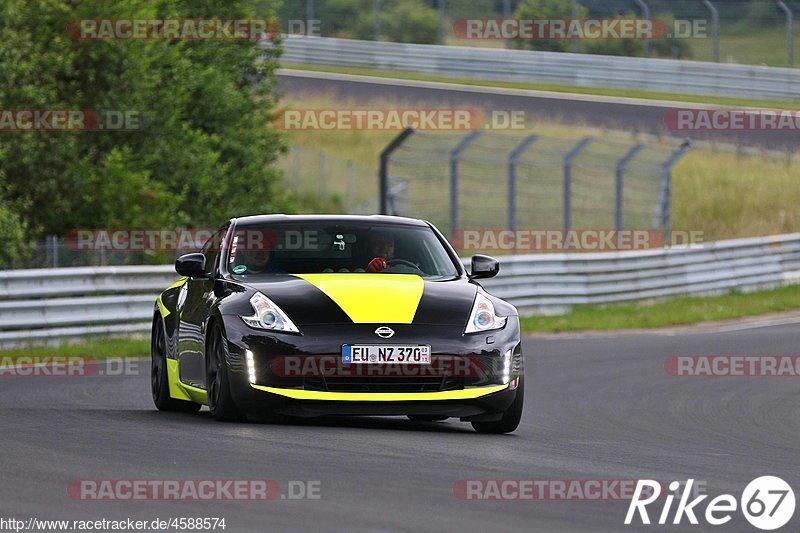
<point x="467" y="381"/>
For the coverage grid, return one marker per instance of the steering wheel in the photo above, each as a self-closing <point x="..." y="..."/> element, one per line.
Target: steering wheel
<point x="394" y="262"/>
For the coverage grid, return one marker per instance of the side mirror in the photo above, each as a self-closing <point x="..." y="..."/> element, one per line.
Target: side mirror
<point x="191" y="265"/>
<point x="484" y="266"/>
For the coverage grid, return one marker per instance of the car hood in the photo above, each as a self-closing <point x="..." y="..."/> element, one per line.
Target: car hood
<point x="368" y="298"/>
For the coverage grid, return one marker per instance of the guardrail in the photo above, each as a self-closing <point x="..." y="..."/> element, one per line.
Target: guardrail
<point x="61" y="303"/>
<point x="56" y="304"/>
<point x="582" y="70"/>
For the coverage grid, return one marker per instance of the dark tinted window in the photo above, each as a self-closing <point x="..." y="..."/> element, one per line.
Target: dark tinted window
<point x="312" y="248"/>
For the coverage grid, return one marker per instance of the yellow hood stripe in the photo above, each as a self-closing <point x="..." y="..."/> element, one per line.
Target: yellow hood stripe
<point x="372" y="298"/>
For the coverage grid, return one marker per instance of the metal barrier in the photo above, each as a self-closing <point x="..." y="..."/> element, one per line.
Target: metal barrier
<point x="491" y="180"/>
<point x="62" y="303"/>
<point x="56" y="304"/>
<point x="582" y="70"/>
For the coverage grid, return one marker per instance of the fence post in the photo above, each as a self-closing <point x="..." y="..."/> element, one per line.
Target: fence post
<point x="665" y="196"/>
<point x="53" y="242"/>
<point x="645" y="15"/>
<point x="714" y="28"/>
<point x="309" y="16"/>
<point x="351" y="184"/>
<point x="454" y="157"/>
<point x="513" y="157"/>
<point x="377" y="20"/>
<point x="789" y="33"/>
<point x="576" y="14"/>
<point x="620" y="172"/>
<point x="322" y="185"/>
<point x="442" y="29"/>
<point x="507" y="15"/>
<point x="383" y="172"/>
<point x="568" y="159"/>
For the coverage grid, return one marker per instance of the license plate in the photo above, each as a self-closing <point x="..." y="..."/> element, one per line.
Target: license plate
<point x="384" y="353"/>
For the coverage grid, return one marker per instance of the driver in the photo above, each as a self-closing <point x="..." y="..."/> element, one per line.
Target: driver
<point x="254" y="258"/>
<point x="258" y="261"/>
<point x="381" y="248"/>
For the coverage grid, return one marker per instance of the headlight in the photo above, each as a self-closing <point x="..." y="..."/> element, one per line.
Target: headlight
<point x="268" y="315"/>
<point x="483" y="317"/>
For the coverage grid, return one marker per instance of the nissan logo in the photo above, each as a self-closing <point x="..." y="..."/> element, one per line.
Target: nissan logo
<point x="384" y="332"/>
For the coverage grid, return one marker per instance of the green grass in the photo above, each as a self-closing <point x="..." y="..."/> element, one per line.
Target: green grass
<point x="556" y="87"/>
<point x="749" y="45"/>
<point x="94" y="348"/>
<point x="721" y="194"/>
<point x="673" y="312"/>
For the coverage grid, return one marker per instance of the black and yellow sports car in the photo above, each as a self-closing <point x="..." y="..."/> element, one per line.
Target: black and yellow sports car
<point x="318" y="315"/>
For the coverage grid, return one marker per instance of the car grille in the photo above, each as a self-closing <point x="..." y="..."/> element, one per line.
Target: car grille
<point x="384" y="384"/>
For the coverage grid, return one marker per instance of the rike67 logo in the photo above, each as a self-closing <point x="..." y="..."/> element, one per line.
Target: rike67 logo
<point x="767" y="503"/>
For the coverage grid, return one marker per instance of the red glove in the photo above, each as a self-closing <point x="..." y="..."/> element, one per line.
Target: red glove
<point x="378" y="264"/>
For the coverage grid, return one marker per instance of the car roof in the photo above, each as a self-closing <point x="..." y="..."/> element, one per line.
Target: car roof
<point x="378" y="219"/>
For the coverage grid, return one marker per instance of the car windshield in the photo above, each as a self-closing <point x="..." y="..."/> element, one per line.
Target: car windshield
<point x="258" y="250"/>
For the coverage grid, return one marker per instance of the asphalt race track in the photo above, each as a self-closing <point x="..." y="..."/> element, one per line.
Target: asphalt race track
<point x="598" y="407"/>
<point x="624" y="114"/>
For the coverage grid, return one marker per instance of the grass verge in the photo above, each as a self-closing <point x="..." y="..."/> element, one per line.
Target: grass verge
<point x="721" y="194"/>
<point x="673" y="312"/>
<point x="94" y="348"/>
<point x="556" y="87"/>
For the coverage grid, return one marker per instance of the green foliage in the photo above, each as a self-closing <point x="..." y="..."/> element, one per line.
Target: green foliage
<point x="545" y="9"/>
<point x="662" y="45"/>
<point x="13" y="244"/>
<point x="410" y="21"/>
<point x="669" y="46"/>
<point x="206" y="150"/>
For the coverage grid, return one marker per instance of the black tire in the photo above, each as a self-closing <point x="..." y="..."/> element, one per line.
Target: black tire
<point x="159" y="383"/>
<point x="220" y="401"/>
<point x="511" y="416"/>
<point x="427" y="418"/>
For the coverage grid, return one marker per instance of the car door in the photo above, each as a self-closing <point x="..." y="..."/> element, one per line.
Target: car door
<point x="194" y="313"/>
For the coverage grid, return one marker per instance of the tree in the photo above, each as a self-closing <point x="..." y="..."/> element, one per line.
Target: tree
<point x="545" y="9"/>
<point x="13" y="240"/>
<point x="410" y="21"/>
<point x="206" y="150"/>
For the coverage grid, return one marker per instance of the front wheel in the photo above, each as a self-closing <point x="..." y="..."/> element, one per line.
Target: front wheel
<point x="511" y="416"/>
<point x="159" y="381"/>
<point x="220" y="401"/>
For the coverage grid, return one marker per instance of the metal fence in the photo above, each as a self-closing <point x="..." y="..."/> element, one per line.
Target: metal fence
<point x="57" y="304"/>
<point x="582" y="70"/>
<point x="707" y="30"/>
<point x="493" y="180"/>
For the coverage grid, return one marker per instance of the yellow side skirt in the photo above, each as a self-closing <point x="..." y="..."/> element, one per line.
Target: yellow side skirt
<point x="465" y="394"/>
<point x="181" y="391"/>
